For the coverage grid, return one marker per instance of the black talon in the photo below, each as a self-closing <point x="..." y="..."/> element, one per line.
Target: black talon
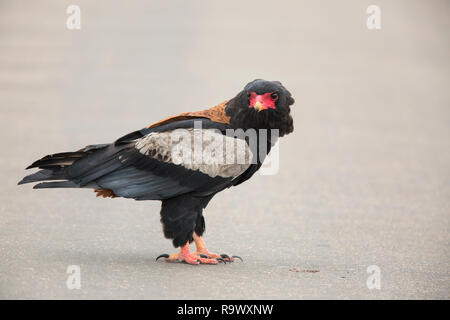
<point x="164" y="255"/>
<point x="203" y="256"/>
<point x="237" y="257"/>
<point x="225" y="256"/>
<point x="221" y="260"/>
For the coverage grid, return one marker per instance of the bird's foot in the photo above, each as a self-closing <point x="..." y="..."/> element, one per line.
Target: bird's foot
<point x="191" y="258"/>
<point x="202" y="250"/>
<point x="210" y="255"/>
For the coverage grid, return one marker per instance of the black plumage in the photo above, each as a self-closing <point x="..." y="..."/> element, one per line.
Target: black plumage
<point x="125" y="170"/>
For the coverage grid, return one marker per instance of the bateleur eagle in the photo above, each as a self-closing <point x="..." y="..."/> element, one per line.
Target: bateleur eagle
<point x="146" y="165"/>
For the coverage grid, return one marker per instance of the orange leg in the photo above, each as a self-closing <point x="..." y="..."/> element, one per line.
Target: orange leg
<point x="202" y="251"/>
<point x="185" y="255"/>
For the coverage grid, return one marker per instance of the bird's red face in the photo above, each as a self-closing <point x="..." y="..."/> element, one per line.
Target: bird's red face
<point x="262" y="101"/>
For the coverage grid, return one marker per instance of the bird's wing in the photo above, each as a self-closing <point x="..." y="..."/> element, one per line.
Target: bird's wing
<point x="141" y="164"/>
<point x="164" y="164"/>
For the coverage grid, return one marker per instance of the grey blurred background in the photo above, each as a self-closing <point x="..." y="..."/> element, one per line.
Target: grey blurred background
<point x="363" y="180"/>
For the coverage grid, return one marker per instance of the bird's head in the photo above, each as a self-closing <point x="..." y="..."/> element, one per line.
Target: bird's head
<point x="262" y="105"/>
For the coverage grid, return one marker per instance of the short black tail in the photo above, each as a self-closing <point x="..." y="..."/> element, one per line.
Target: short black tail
<point x="57" y="160"/>
<point x="53" y="167"/>
<point x="44" y="175"/>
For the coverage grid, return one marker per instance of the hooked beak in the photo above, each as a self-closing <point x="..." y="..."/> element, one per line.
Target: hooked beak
<point x="258" y="106"/>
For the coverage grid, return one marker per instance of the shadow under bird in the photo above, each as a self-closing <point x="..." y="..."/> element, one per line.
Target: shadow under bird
<point x="142" y="166"/>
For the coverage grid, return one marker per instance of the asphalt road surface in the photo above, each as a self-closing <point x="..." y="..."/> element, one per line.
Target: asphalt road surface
<point x="363" y="181"/>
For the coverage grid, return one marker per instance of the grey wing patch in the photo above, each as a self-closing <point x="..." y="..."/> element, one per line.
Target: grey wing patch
<point x="207" y="151"/>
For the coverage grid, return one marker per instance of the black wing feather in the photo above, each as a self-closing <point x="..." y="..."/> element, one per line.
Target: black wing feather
<point x="139" y="177"/>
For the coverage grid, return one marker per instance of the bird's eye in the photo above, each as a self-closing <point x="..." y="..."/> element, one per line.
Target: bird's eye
<point x="248" y="94"/>
<point x="274" y="96"/>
